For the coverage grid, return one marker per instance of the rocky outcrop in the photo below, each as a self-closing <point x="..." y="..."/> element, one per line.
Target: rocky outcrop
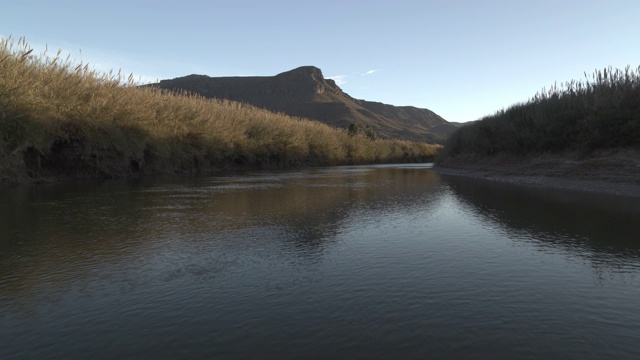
<point x="304" y="92"/>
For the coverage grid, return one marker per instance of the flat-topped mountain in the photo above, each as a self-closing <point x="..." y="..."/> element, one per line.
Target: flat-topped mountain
<point x="304" y="92"/>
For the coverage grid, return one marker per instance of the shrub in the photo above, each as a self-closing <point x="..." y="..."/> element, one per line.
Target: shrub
<point x="601" y="112"/>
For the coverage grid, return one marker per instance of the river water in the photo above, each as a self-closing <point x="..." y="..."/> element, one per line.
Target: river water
<point x="355" y="262"/>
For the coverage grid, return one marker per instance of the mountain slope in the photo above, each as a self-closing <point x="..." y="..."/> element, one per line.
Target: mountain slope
<point x="304" y="92"/>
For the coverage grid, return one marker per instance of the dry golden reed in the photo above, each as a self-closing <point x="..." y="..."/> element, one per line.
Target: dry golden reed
<point x="61" y="119"/>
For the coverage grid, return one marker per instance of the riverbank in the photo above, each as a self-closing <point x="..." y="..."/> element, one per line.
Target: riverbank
<point x="615" y="173"/>
<point x="60" y="120"/>
<point x="581" y="135"/>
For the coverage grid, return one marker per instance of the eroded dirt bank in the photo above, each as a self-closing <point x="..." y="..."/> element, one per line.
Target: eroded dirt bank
<point x="616" y="174"/>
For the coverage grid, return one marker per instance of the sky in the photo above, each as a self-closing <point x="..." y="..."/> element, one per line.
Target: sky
<point x="462" y="59"/>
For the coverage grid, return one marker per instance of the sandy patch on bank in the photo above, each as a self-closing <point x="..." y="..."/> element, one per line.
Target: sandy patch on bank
<point x="616" y="173"/>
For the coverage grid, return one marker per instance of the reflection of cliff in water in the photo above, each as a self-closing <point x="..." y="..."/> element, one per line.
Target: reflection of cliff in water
<point x="598" y="226"/>
<point x="48" y="230"/>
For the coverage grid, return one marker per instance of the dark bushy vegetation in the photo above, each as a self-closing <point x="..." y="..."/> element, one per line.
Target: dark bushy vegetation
<point x="600" y="112"/>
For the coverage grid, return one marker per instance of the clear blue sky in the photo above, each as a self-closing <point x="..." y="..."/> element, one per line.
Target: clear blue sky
<point x="461" y="59"/>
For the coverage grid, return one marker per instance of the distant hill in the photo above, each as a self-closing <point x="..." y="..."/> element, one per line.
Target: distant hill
<point x="304" y="92"/>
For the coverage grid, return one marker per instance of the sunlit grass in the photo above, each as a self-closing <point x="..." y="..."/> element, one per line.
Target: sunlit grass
<point x="59" y="118"/>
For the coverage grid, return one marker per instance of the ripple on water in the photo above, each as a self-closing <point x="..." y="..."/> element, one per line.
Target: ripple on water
<point x="374" y="261"/>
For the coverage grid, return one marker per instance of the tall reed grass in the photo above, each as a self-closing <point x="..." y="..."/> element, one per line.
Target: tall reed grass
<point x="61" y="119"/>
<point x="600" y="112"/>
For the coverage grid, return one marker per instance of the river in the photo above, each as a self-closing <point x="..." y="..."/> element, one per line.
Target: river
<point x="387" y="261"/>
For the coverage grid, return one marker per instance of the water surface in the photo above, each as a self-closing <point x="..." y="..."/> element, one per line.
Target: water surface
<point x="359" y="262"/>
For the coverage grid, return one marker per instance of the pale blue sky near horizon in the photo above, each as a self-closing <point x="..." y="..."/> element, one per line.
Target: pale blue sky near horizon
<point x="461" y="59"/>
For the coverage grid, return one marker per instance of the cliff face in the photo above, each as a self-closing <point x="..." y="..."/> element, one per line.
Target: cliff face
<point x="304" y="92"/>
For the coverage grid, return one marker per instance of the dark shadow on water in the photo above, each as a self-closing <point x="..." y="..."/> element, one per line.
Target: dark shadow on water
<point x="605" y="225"/>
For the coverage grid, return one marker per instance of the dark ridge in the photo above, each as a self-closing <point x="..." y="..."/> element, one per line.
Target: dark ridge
<point x="304" y="92"/>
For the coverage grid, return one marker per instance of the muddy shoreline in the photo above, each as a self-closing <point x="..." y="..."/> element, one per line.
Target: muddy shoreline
<point x="603" y="181"/>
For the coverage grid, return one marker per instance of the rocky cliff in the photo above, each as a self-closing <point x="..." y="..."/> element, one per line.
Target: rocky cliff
<point x="304" y="92"/>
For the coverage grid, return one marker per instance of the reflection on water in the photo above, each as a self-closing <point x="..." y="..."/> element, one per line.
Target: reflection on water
<point x="602" y="229"/>
<point x="366" y="262"/>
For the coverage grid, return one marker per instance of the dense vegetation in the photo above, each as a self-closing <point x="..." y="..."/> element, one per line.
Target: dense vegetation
<point x="601" y="112"/>
<point x="59" y="119"/>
